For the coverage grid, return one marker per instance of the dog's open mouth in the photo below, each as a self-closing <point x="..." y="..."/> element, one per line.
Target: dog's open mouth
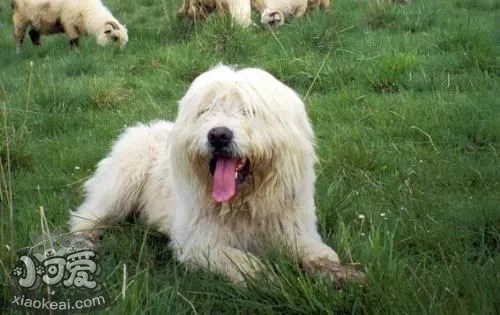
<point x="228" y="172"/>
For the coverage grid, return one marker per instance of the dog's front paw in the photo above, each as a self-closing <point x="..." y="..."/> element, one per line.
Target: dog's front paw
<point x="333" y="269"/>
<point x="342" y="274"/>
<point x="244" y="268"/>
<point x="82" y="240"/>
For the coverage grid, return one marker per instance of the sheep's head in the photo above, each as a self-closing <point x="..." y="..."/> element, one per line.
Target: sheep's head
<point x="113" y="32"/>
<point x="272" y="18"/>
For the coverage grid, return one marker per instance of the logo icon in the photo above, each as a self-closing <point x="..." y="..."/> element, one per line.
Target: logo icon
<point x="58" y="274"/>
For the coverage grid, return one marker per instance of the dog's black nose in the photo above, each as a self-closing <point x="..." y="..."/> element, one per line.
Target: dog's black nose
<point x="219" y="137"/>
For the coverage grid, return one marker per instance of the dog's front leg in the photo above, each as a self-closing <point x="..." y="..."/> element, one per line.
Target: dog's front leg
<point x="318" y="258"/>
<point x="229" y="261"/>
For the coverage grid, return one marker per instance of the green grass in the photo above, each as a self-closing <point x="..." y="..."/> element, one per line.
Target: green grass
<point x="405" y="105"/>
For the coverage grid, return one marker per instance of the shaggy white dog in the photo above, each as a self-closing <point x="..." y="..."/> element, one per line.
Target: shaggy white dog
<point x="233" y="174"/>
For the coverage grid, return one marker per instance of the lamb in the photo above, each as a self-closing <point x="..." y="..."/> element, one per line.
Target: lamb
<point x="275" y="12"/>
<point x="73" y="17"/>
<point x="240" y="10"/>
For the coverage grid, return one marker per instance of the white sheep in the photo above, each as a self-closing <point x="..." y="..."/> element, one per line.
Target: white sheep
<point x="73" y="17"/>
<point x="239" y="10"/>
<point x="275" y="12"/>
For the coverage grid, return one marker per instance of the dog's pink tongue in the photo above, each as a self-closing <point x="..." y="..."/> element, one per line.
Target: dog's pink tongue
<point x="224" y="182"/>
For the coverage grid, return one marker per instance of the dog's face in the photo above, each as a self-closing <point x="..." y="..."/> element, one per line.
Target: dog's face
<point x="241" y="133"/>
<point x="272" y="18"/>
<point x="221" y="144"/>
<point x="113" y="33"/>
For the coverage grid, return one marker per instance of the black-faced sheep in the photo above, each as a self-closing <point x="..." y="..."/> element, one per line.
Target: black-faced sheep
<point x="73" y="17"/>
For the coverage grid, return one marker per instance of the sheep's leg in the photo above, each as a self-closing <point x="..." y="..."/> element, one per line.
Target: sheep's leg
<point x="258" y="5"/>
<point x="299" y="11"/>
<point x="20" y="26"/>
<point x="241" y="12"/>
<point x="74" y="43"/>
<point x="73" y="35"/>
<point x="35" y="37"/>
<point x="184" y="9"/>
<point x="324" y="4"/>
<point x="197" y="12"/>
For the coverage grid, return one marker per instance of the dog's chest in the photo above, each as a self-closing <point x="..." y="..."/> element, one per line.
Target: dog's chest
<point x="249" y="231"/>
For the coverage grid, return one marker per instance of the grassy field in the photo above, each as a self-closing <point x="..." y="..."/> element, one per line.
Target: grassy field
<point x="405" y="104"/>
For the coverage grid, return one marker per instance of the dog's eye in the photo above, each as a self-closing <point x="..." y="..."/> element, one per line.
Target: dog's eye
<point x="248" y="112"/>
<point x="201" y="112"/>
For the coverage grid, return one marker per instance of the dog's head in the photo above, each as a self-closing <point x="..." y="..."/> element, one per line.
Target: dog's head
<point x="113" y="33"/>
<point x="272" y="18"/>
<point x="242" y="132"/>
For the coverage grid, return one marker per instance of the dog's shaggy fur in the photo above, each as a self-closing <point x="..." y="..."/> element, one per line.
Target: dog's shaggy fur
<point x="234" y="173"/>
<point x="73" y="17"/>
